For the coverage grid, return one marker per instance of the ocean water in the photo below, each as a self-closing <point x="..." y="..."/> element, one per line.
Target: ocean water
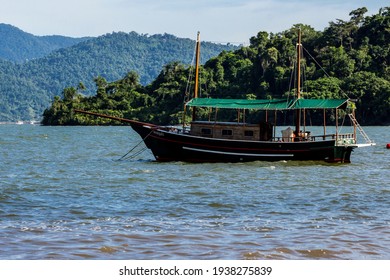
<point x="64" y="194"/>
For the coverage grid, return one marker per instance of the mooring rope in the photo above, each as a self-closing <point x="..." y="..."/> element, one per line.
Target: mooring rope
<point x="125" y="156"/>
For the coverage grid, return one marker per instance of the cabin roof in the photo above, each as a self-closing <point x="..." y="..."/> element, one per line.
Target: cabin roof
<point x="268" y="104"/>
<point x="319" y="104"/>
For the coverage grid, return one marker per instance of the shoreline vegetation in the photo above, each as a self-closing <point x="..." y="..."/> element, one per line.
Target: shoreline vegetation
<point x="355" y="62"/>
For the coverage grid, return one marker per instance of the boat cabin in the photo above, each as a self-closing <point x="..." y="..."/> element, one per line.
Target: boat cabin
<point x="233" y="130"/>
<point x="264" y="130"/>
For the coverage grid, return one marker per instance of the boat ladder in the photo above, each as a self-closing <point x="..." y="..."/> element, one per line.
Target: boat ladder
<point x="362" y="132"/>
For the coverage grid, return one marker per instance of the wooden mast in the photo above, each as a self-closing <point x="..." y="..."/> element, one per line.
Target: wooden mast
<point x="298" y="93"/>
<point x="197" y="61"/>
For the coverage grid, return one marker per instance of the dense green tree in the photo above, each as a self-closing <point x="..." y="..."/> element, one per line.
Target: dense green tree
<point x="336" y="62"/>
<point x="323" y="88"/>
<point x="373" y="95"/>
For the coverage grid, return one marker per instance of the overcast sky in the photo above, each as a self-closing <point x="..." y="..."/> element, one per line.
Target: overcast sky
<point x="232" y="21"/>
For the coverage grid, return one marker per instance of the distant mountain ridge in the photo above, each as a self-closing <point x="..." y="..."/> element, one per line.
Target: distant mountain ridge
<point x="34" y="69"/>
<point x="19" y="46"/>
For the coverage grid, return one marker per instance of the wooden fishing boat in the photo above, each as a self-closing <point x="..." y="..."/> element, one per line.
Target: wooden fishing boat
<point x="216" y="141"/>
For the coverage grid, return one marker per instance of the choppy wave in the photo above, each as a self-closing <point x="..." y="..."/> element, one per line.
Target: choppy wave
<point x="64" y="195"/>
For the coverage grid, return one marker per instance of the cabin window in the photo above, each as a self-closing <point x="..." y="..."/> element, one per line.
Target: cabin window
<point x="248" y="133"/>
<point x="206" y="131"/>
<point x="227" y="132"/>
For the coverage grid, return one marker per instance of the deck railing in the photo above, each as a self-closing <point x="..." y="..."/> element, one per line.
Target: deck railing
<point x="342" y="139"/>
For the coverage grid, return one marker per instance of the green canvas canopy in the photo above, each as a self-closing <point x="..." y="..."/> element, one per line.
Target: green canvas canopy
<point x="319" y="104"/>
<point x="268" y="104"/>
<point x="260" y="104"/>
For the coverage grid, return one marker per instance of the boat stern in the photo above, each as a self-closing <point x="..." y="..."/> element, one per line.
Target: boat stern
<point x="344" y="147"/>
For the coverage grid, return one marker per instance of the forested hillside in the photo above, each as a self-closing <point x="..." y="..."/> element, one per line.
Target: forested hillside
<point x="349" y="58"/>
<point x="19" y="46"/>
<point x="27" y="88"/>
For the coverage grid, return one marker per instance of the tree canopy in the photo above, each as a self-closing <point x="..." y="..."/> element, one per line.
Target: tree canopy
<point x="349" y="58"/>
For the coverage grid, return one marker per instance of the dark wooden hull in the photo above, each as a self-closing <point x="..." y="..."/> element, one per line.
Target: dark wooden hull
<point x="173" y="146"/>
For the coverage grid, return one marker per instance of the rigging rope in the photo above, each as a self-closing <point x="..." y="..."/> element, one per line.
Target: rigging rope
<point x="322" y="68"/>
<point x="187" y="95"/>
